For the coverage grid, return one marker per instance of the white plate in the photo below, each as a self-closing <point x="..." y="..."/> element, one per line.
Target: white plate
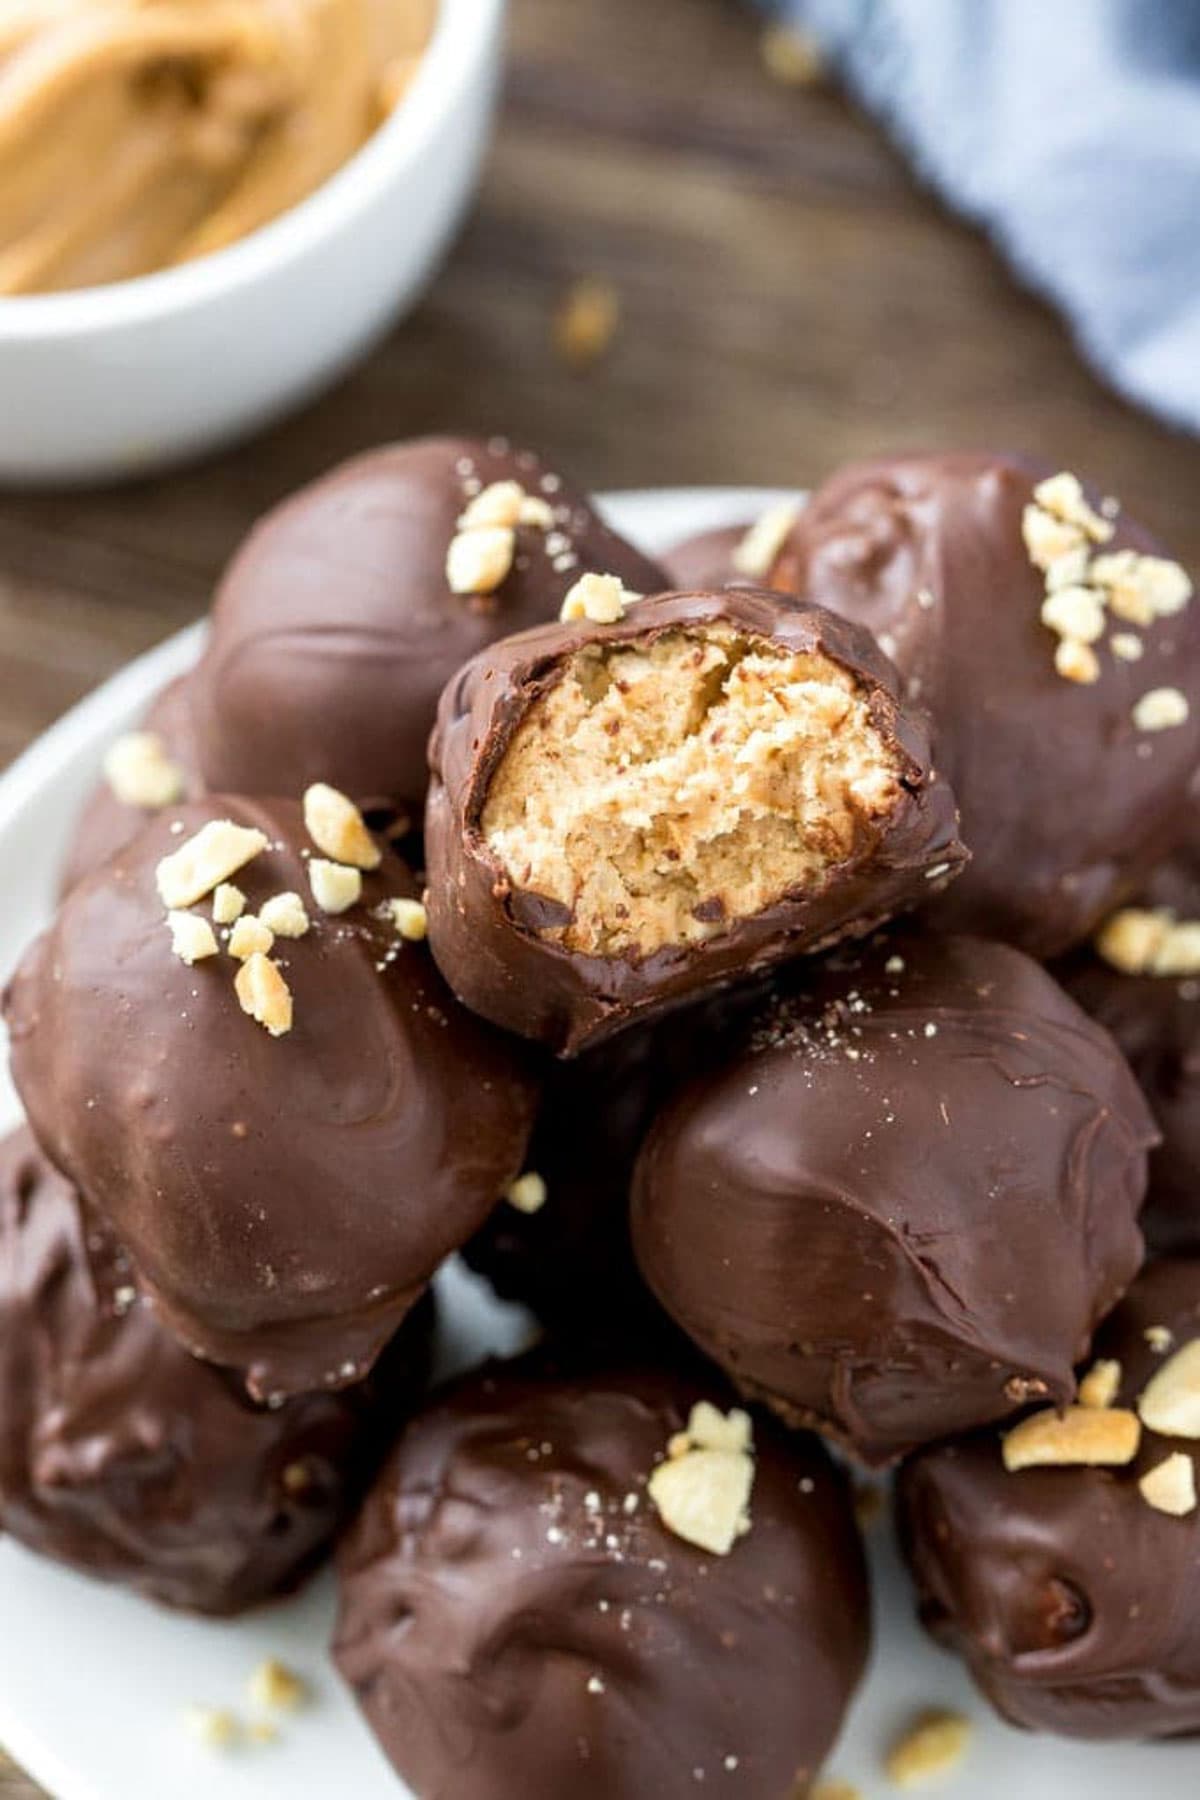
<point x="93" y="1682"/>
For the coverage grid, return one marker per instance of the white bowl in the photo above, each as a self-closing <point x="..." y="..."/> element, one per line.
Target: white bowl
<point x="115" y="381"/>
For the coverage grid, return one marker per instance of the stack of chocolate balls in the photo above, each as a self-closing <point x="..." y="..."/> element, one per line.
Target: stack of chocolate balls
<point x="780" y="972"/>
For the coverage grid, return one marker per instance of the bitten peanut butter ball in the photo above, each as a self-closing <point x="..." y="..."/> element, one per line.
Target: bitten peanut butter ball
<point x="145" y="770"/>
<point x="1062" y="1559"/>
<point x="1141" y="979"/>
<point x="235" y="1043"/>
<point x="602" y="1583"/>
<point x="124" y="1456"/>
<point x="902" y="1206"/>
<point x="638" y="805"/>
<point x="350" y="606"/>
<point x="1056" y="646"/>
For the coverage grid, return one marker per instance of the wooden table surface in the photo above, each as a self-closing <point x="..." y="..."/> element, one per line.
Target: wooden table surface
<point x="789" y="300"/>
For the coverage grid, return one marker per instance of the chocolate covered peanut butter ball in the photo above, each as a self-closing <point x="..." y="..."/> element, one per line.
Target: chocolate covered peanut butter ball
<point x="592" y="1584"/>
<point x="1141" y="980"/>
<point x="232" y="1040"/>
<point x="1062" y="1561"/>
<point x="1056" y="646"/>
<point x="351" y="605"/>
<point x="901" y="1207"/>
<point x="634" y="807"/>
<point x="125" y="1457"/>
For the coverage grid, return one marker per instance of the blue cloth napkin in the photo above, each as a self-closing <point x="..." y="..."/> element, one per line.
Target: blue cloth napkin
<point x="1070" y="130"/>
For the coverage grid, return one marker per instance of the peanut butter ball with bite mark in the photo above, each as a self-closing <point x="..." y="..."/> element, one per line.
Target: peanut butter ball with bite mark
<point x="901" y="1206"/>
<point x="235" y="1043"/>
<point x="636" y="807"/>
<point x="350" y="606"/>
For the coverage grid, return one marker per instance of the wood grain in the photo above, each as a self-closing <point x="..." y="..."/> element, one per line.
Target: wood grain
<point x="789" y="300"/>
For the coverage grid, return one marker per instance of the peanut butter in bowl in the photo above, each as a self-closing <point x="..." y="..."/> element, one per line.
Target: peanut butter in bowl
<point x="138" y="134"/>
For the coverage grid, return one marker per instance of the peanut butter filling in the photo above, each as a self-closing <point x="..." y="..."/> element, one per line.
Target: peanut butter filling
<point x="661" y="791"/>
<point x="136" y="134"/>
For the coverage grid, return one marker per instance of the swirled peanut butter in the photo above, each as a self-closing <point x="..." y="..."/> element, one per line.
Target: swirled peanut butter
<point x="135" y="134"/>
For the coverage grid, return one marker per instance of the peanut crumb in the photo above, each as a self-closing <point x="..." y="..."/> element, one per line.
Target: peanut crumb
<point x="1078" y="1437"/>
<point x="708" y="1428"/>
<point x="218" y="850"/>
<point x="1170" y="1487"/>
<point x="478" y="561"/>
<point x="192" y="938"/>
<point x="755" y="556"/>
<point x="702" y="1491"/>
<point x="792" y="57"/>
<point x="264" y="994"/>
<point x="285" y="915"/>
<point x="1160" y="1338"/>
<point x="1127" y="646"/>
<point x="1047" y="539"/>
<point x="338" y="829"/>
<point x="335" y="887"/>
<point x="410" y="919"/>
<point x="140" y="773"/>
<point x="276" y="1687"/>
<point x="527" y="1193"/>
<point x="498" y="504"/>
<point x="1077" y="662"/>
<point x="932" y="1747"/>
<point x="600" y="598"/>
<point x="1101" y="1384"/>
<point x="250" y="937"/>
<point x="1142" y="588"/>
<point x="586" y="321"/>
<point x="228" y="904"/>
<point x="1150" y="941"/>
<point x="1160" y="709"/>
<point x="1170" y="1401"/>
<point x="1063" y="497"/>
<point x="1076" y="613"/>
<point x="214" y="1726"/>
<point x="1068" y="570"/>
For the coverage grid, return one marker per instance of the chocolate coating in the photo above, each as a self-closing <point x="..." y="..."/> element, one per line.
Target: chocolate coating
<point x="1066" y="806"/>
<point x="1156" y="1021"/>
<point x="571" y="1261"/>
<point x="902" y="1208"/>
<point x="511" y="1629"/>
<point x="706" y="560"/>
<point x="1074" y="1602"/>
<point x="129" y="1459"/>
<point x="334" y="629"/>
<point x="494" y="942"/>
<point x="286" y="1200"/>
<point x="105" y="824"/>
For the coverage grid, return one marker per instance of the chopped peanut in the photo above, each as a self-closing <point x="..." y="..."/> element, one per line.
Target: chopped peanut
<point x="338" y="829"/>
<point x="931" y="1748"/>
<point x="335" y="887"/>
<point x="1082" y="1436"/>
<point x="140" y="773"/>
<point x="264" y="994"/>
<point x="192" y="937"/>
<point x="218" y="850"/>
